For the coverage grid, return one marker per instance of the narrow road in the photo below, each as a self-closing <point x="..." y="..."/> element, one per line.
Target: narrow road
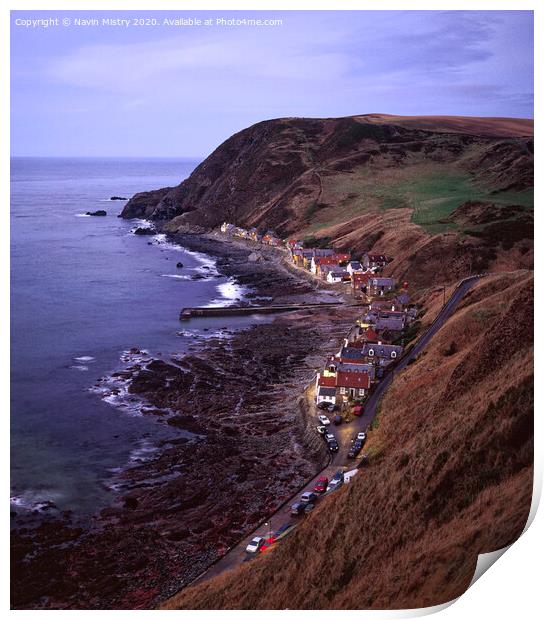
<point x="344" y="434"/>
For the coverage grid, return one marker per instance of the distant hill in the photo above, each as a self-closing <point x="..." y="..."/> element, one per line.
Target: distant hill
<point x="497" y="127"/>
<point x="392" y="184"/>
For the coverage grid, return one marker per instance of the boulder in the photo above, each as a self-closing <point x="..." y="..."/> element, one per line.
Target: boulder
<point x="100" y="212"/>
<point x="145" y="231"/>
<point x="179" y="265"/>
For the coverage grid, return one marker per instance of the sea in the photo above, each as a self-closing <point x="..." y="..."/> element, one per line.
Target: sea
<point x="84" y="292"/>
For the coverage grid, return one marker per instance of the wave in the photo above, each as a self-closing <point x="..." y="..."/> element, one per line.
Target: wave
<point x="82" y="215"/>
<point x="230" y="291"/>
<point x="176" y="276"/>
<point x="219" y="334"/>
<point x="84" y="358"/>
<point x="80" y="368"/>
<point x="33" y="499"/>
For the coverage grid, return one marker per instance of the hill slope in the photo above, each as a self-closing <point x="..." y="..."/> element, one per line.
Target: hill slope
<point x="450" y="477"/>
<point x="372" y="182"/>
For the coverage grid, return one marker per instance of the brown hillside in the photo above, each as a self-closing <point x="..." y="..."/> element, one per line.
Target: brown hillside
<point x="478" y="126"/>
<point x="450" y="477"/>
<point x="375" y="182"/>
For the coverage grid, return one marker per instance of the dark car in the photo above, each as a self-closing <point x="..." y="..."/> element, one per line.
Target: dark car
<point x="308" y="508"/>
<point x="339" y="475"/>
<point x="323" y="405"/>
<point x="333" y="446"/>
<point x="332" y="407"/>
<point x="337" y="420"/>
<point x="298" y="508"/>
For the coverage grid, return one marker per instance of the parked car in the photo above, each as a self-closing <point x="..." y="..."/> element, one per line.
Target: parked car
<point x="361" y="436"/>
<point x="355" y="449"/>
<point x="357" y="410"/>
<point x="321" y="484"/>
<point x="337" y="419"/>
<point x="339" y="475"/>
<point x="329" y="437"/>
<point x="324" y="420"/>
<point x="308" y="508"/>
<point x="334" y="484"/>
<point x="332" y="407"/>
<point x="297" y="508"/>
<point x="324" y="405"/>
<point x="255" y="544"/>
<point x="308" y="497"/>
<point x="333" y="446"/>
<point x="321" y="429"/>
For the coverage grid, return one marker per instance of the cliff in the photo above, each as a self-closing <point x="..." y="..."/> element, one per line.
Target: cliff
<point x="374" y="182"/>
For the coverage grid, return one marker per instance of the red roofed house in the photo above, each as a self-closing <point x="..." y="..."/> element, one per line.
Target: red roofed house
<point x="318" y="261"/>
<point x="358" y="280"/>
<point x="325" y="389"/>
<point x="352" y="384"/>
<point x="372" y="261"/>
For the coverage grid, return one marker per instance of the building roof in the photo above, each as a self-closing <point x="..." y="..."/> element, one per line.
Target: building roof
<point x="381" y="350"/>
<point x="350" y="353"/>
<point x="326" y="391"/>
<point x="326" y="381"/>
<point x="355" y="264"/>
<point x="360" y="380"/>
<point x="349" y="367"/>
<point x="360" y="278"/>
<point x="377" y="281"/>
<point x="368" y="334"/>
<point x="325" y="260"/>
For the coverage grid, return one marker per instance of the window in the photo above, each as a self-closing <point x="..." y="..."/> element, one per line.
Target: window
<point x="393" y="354"/>
<point x="342" y="390"/>
<point x="361" y="392"/>
<point x="371" y="352"/>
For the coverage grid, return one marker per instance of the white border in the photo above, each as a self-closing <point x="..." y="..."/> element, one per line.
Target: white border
<point x="512" y="586"/>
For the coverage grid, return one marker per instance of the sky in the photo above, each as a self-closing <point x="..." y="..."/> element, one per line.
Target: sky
<point x="165" y="90"/>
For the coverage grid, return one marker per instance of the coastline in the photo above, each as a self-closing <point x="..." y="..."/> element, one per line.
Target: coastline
<point x="184" y="505"/>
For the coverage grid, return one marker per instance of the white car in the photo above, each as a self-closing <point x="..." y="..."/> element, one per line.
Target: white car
<point x="361" y="436"/>
<point x="255" y="544"/>
<point x="334" y="484"/>
<point x="324" y="420"/>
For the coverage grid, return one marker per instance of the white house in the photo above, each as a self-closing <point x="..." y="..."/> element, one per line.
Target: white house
<point x="354" y="266"/>
<point x="337" y="275"/>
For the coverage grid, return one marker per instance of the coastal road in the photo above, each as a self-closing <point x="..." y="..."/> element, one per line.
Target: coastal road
<point x="345" y="434"/>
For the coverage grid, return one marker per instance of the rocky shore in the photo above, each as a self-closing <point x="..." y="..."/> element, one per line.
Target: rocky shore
<point x="242" y="449"/>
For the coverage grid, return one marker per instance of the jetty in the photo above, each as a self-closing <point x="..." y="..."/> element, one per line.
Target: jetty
<point x="190" y="313"/>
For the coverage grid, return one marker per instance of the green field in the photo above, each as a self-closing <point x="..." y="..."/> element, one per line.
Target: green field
<point x="434" y="197"/>
<point x="431" y="193"/>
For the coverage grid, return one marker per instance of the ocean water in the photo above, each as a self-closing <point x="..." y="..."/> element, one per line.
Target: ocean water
<point x="84" y="290"/>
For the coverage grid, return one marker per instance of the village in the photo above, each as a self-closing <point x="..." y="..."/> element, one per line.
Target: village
<point x="376" y="341"/>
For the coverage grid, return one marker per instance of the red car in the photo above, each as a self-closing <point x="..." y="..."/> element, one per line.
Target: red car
<point x="321" y="484"/>
<point x="358" y="410"/>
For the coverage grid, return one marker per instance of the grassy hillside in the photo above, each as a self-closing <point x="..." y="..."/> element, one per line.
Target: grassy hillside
<point x="368" y="183"/>
<point x="450" y="477"/>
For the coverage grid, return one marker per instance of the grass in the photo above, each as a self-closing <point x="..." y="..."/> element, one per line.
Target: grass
<point x="433" y="197"/>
